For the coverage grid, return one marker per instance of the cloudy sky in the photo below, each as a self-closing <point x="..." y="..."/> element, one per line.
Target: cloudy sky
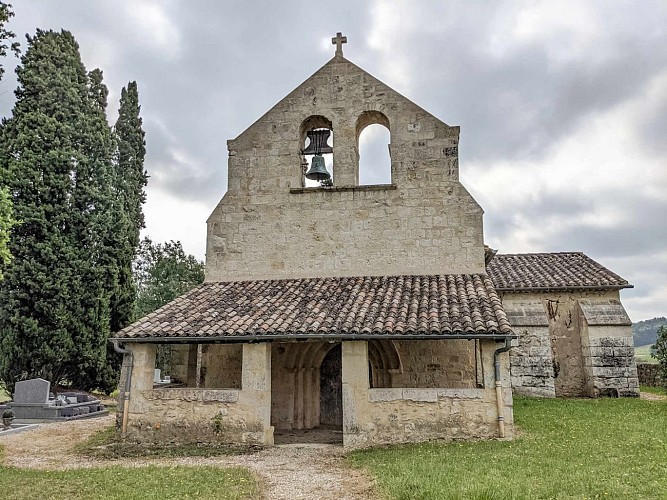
<point x="562" y="105"/>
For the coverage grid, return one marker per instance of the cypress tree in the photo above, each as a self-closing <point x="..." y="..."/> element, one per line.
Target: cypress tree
<point x="56" y="162"/>
<point x="131" y="179"/>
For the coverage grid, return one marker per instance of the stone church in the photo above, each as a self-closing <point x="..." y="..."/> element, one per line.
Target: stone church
<point x="373" y="312"/>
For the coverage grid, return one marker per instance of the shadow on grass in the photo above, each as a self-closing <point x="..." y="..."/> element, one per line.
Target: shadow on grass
<point x="107" y="444"/>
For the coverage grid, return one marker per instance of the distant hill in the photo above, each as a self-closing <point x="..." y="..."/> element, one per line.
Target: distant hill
<point x="645" y="332"/>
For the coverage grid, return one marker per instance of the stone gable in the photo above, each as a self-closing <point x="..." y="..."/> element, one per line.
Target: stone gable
<point x="269" y="225"/>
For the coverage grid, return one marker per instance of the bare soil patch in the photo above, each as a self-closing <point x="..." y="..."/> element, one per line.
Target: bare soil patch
<point x="287" y="472"/>
<point x="652" y="397"/>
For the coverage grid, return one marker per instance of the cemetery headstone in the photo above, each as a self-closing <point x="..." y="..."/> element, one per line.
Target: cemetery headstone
<point x="35" y="391"/>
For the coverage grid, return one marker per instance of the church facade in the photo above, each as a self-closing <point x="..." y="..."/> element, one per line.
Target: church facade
<point x="372" y="311"/>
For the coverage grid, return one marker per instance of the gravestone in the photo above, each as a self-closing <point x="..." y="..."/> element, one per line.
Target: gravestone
<point x="35" y="391"/>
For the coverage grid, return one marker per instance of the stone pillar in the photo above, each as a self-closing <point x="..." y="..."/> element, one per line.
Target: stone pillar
<point x="143" y="368"/>
<point x="531" y="357"/>
<point x="346" y="164"/>
<point x="355" y="391"/>
<point x="256" y="392"/>
<point x="607" y="348"/>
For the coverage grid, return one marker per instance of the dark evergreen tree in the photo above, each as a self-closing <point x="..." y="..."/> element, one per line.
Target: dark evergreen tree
<point x="128" y="181"/>
<point x="131" y="179"/>
<point x="56" y="161"/>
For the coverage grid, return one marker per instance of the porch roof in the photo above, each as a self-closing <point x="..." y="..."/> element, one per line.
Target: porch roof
<point x="440" y="306"/>
<point x="566" y="271"/>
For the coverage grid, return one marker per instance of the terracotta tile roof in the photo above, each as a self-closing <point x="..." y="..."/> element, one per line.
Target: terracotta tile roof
<point x="551" y="271"/>
<point x="443" y="305"/>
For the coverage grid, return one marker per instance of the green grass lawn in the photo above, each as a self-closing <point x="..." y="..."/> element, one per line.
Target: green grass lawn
<point x="643" y="354"/>
<point x="123" y="483"/>
<point x="569" y="449"/>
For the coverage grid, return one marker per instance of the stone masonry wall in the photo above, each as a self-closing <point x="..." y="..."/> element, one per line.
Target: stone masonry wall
<point x="269" y="226"/>
<point x="383" y="416"/>
<point x="608" y="349"/>
<point x="650" y="374"/>
<point x="436" y="364"/>
<point x="591" y="344"/>
<point x="531" y="359"/>
<point x="202" y="415"/>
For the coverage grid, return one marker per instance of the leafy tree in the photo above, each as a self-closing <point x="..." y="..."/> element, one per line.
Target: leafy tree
<point x="6" y="210"/>
<point x="55" y="157"/>
<point x="6" y="36"/>
<point x="660" y="352"/>
<point x="162" y="273"/>
<point x="6" y="224"/>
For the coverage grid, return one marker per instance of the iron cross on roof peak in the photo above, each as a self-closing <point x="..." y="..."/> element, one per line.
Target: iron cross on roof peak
<point x="338" y="41"/>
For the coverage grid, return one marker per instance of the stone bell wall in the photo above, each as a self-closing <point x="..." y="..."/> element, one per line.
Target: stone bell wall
<point x="269" y="226"/>
<point x="399" y="415"/>
<point x="239" y="416"/>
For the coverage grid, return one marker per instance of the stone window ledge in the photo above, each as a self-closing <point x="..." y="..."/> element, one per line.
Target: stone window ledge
<point x="370" y="187"/>
<point x="192" y="394"/>
<point x="422" y="395"/>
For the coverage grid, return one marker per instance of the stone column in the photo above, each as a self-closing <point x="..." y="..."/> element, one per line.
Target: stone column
<point x="256" y="391"/>
<point x="355" y="391"/>
<point x="346" y="163"/>
<point x="143" y="368"/>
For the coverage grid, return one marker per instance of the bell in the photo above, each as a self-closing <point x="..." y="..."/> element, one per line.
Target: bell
<point x="318" y="170"/>
<point x="318" y="142"/>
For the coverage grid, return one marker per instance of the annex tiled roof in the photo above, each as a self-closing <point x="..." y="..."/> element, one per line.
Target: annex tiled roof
<point x="551" y="271"/>
<point x="445" y="305"/>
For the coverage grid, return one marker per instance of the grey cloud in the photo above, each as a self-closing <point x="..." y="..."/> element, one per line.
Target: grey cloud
<point x="237" y="59"/>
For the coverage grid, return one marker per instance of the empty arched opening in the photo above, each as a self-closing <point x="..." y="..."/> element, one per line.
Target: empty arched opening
<point x="374" y="155"/>
<point x="383" y="362"/>
<point x="316" y="139"/>
<point x="306" y="392"/>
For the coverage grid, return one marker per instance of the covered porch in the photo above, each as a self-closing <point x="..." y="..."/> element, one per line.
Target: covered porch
<point x="367" y="385"/>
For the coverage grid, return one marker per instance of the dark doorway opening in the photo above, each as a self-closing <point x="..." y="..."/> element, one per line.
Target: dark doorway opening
<point x="331" y="389"/>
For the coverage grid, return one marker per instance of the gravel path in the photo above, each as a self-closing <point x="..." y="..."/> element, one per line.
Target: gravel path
<point x="652" y="397"/>
<point x="287" y="472"/>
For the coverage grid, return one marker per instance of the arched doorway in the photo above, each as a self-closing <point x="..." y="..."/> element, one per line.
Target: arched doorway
<point x="331" y="389"/>
<point x="306" y="392"/>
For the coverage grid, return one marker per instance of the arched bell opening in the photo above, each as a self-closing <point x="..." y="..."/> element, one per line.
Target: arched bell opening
<point x="306" y="392"/>
<point x="373" y="135"/>
<point x="316" y="140"/>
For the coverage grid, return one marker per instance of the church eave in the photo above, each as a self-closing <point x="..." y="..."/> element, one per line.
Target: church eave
<point x="314" y="337"/>
<point x="547" y="289"/>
